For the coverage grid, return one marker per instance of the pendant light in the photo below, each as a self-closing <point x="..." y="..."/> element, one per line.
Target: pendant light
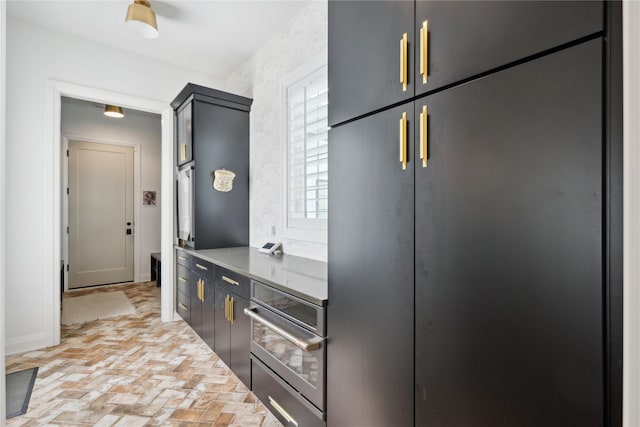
<point x="113" y="111"/>
<point x="141" y="19"/>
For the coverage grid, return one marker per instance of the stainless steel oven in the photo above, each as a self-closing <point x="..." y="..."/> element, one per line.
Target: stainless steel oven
<point x="288" y="336"/>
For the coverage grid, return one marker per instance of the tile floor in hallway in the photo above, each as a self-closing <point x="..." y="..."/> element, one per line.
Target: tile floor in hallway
<point x="134" y="371"/>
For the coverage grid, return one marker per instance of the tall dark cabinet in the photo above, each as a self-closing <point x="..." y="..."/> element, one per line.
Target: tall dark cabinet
<point x="212" y="132"/>
<point x="479" y="285"/>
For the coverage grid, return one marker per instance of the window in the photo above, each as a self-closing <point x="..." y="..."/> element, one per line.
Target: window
<point x="306" y="154"/>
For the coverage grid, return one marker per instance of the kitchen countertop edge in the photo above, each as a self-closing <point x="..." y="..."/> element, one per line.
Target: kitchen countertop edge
<point x="314" y="289"/>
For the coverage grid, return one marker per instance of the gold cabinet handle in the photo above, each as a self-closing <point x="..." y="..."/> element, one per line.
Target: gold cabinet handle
<point x="424" y="51"/>
<point x="231" y="311"/>
<point x="282" y="412"/>
<point x="182" y="279"/>
<point x="201" y="267"/>
<point x="233" y="282"/>
<point x="183" y="151"/>
<point x="424" y="152"/>
<point x="181" y="258"/>
<point x="202" y="291"/>
<point x="226" y="307"/>
<point x="403" y="140"/>
<point x="182" y="306"/>
<point x="403" y="61"/>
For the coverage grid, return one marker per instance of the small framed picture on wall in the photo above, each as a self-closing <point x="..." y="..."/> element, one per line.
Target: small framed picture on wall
<point x="148" y="198"/>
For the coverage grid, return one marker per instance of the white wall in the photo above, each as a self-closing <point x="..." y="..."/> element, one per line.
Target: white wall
<point x="3" y="22"/>
<point x="631" y="43"/>
<point x="35" y="56"/>
<point x="82" y="120"/>
<point x="302" y="41"/>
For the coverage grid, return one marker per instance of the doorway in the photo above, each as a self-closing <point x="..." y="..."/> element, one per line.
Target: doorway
<point x="100" y="214"/>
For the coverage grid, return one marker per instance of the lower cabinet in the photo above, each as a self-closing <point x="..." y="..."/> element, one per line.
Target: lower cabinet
<point x="281" y="399"/>
<point x="232" y="326"/>
<point x="202" y="299"/>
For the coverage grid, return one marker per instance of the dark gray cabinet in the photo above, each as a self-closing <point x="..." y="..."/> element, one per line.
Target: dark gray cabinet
<point x="232" y="326"/>
<point x="202" y="297"/>
<point x="183" y="285"/>
<point x="371" y="238"/>
<point x="509" y="248"/>
<point x="479" y="286"/>
<point x="212" y="133"/>
<point x="463" y="39"/>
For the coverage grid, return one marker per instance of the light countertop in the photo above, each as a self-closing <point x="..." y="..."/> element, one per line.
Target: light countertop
<point x="302" y="277"/>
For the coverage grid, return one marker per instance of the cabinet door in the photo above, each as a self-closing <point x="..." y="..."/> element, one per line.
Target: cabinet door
<point x="222" y="342"/>
<point x="184" y="140"/>
<point x="241" y="341"/>
<point x="365" y="57"/>
<point x="208" y="314"/>
<point x="509" y="238"/>
<point x="370" y="311"/>
<point x="466" y="38"/>
<point x="221" y="141"/>
<point x="196" y="304"/>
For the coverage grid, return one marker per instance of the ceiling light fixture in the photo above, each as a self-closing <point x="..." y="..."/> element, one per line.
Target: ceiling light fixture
<point x="141" y="19"/>
<point x="113" y="111"/>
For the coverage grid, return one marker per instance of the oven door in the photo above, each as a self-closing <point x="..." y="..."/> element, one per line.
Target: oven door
<point x="292" y="352"/>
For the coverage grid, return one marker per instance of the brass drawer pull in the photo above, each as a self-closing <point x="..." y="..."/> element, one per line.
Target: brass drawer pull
<point x="201" y="267"/>
<point x="424" y="51"/>
<point x="424" y="130"/>
<point x="282" y="412"/>
<point x="182" y="279"/>
<point x="182" y="306"/>
<point x="233" y="282"/>
<point x="403" y="61"/>
<point x="181" y="258"/>
<point x="403" y="140"/>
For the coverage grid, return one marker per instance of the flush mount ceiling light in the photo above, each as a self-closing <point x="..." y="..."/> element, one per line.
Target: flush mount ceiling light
<point x="141" y="19"/>
<point x="113" y="111"/>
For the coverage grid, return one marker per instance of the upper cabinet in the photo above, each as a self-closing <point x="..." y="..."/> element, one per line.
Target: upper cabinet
<point x="495" y="33"/>
<point x="370" y="59"/>
<point x="183" y="134"/>
<point x="399" y="49"/>
<point x="212" y="134"/>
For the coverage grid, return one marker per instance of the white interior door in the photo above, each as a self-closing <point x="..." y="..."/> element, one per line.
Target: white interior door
<point x="100" y="214"/>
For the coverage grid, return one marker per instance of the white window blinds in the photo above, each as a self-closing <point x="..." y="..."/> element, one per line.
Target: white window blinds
<point x="306" y="152"/>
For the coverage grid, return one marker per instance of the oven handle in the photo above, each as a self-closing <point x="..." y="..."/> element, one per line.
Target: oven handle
<point x="306" y="345"/>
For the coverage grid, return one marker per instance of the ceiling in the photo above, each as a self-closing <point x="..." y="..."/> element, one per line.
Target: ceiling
<point x="209" y="36"/>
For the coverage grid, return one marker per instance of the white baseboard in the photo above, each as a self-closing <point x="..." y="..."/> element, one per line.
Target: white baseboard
<point x="25" y="343"/>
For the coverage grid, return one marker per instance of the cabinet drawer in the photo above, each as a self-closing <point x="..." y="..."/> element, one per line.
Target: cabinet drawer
<point x="183" y="258"/>
<point x="233" y="282"/>
<point x="182" y="306"/>
<point x="202" y="268"/>
<point x="283" y="401"/>
<point x="182" y="279"/>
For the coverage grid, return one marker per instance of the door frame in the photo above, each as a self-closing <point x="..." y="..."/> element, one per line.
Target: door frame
<point x="55" y="90"/>
<point x="137" y="199"/>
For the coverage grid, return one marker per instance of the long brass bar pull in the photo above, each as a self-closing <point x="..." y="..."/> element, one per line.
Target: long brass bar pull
<point x="231" y="310"/>
<point x="202" y="291"/>
<point x="424" y="136"/>
<point x="403" y="140"/>
<point x="233" y="282"/>
<point x="403" y="61"/>
<point x="282" y="412"/>
<point x="183" y="152"/>
<point x="424" y="51"/>
<point x="226" y="307"/>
